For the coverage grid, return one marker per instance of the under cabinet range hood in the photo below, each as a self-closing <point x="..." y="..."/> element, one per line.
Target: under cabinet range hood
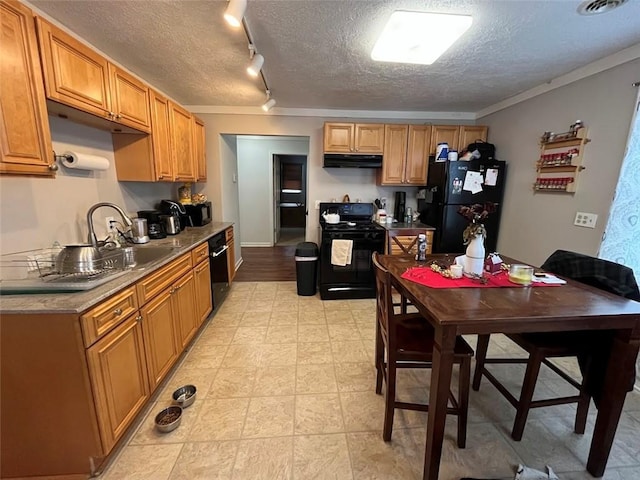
<point x="336" y="160"/>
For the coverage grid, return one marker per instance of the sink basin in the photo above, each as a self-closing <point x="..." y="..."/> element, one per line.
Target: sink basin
<point x="145" y="255"/>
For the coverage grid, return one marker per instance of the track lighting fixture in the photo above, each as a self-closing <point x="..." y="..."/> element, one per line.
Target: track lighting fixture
<point x="235" y="12"/>
<point x="256" y="64"/>
<point x="268" y="105"/>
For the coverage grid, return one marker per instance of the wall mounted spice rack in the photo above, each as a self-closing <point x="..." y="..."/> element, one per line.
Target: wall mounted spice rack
<point x="560" y="161"/>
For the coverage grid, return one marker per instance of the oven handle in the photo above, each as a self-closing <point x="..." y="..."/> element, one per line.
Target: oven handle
<point x="219" y="252"/>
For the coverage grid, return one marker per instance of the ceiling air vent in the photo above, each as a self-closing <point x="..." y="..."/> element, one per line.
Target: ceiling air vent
<point x="595" y="7"/>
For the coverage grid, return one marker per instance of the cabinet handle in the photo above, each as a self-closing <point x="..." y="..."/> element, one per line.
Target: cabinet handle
<point x="118" y="116"/>
<point x="117" y="312"/>
<point x="171" y="290"/>
<point x="139" y="318"/>
<point x="53" y="167"/>
<point x="202" y="254"/>
<point x="110" y="114"/>
<point x="160" y="176"/>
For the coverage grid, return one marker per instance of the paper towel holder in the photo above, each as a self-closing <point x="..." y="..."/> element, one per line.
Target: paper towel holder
<point x="59" y="158"/>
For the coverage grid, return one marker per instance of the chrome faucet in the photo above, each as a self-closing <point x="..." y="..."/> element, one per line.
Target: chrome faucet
<point x="93" y="240"/>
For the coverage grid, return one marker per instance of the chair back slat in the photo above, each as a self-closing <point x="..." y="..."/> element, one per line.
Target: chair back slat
<point x="404" y="241"/>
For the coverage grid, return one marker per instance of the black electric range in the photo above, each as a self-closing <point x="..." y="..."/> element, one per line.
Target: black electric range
<point x="357" y="279"/>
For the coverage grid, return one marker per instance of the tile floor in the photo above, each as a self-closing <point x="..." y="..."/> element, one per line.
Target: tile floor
<point x="286" y="391"/>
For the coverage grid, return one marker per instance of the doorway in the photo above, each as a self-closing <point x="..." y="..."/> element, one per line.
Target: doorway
<point x="289" y="199"/>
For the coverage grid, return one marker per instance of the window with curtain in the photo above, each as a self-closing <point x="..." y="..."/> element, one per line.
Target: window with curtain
<point x="622" y="235"/>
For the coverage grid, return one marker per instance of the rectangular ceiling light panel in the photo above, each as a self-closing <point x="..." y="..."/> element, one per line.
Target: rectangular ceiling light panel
<point x="416" y="37"/>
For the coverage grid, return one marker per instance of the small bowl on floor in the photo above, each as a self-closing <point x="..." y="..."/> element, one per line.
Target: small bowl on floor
<point x="185" y="396"/>
<point x="168" y="419"/>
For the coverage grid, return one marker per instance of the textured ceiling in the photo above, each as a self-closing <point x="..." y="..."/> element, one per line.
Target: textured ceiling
<point x="318" y="51"/>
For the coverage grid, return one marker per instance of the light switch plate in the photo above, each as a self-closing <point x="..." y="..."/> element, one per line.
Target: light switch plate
<point x="587" y="220"/>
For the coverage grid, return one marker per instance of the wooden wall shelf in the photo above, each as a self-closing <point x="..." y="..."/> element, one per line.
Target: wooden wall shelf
<point x="560" y="162"/>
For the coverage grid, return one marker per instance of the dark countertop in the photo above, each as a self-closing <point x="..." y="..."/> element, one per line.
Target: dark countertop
<point x="396" y="225"/>
<point x="77" y="302"/>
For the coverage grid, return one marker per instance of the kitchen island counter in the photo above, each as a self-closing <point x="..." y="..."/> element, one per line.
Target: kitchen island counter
<point x="77" y="302"/>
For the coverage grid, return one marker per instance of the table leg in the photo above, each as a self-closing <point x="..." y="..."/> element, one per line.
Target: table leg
<point x="445" y="340"/>
<point x="621" y="363"/>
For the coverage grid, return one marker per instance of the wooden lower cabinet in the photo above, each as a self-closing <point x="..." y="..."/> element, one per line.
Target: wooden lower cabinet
<point x="231" y="254"/>
<point x="202" y="274"/>
<point x="160" y="337"/>
<point x="184" y="309"/>
<point x="118" y="369"/>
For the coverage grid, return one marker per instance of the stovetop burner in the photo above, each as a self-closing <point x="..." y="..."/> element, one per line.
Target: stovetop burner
<point x="351" y="226"/>
<point x="353" y="216"/>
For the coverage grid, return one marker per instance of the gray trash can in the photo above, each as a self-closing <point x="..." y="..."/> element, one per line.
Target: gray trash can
<point x="306" y="268"/>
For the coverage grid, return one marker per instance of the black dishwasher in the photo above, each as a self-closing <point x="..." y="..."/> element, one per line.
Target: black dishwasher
<point x="219" y="269"/>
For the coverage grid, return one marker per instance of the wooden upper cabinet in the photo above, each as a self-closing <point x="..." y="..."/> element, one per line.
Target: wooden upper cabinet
<point x="395" y="154"/>
<point x="181" y="143"/>
<point x="365" y="138"/>
<point x="130" y="99"/>
<point x="161" y="137"/>
<point x="338" y="137"/>
<point x="73" y="73"/>
<point x="442" y="134"/>
<point x="471" y="133"/>
<point x="417" y="155"/>
<point x="406" y="156"/>
<point x="25" y="140"/>
<point x="369" y="138"/>
<point x="199" y="152"/>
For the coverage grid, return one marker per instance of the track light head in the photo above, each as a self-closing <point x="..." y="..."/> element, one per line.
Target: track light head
<point x="256" y="64"/>
<point x="268" y="105"/>
<point x="235" y="12"/>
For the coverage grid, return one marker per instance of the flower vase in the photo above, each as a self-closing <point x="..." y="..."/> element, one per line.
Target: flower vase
<point x="474" y="256"/>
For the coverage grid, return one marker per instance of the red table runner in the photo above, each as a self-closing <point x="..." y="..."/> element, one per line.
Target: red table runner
<point x="426" y="276"/>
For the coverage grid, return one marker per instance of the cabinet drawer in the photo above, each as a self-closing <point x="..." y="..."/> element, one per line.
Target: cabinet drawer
<point x="228" y="234"/>
<point x="108" y="314"/>
<point x="200" y="253"/>
<point x="152" y="285"/>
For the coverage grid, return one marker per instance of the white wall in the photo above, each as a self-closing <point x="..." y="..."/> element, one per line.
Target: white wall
<point x="230" y="204"/>
<point x="535" y="225"/>
<point x="35" y="212"/>
<point x="255" y="183"/>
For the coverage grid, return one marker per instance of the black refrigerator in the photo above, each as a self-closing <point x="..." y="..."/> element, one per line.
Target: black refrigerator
<point x="452" y="184"/>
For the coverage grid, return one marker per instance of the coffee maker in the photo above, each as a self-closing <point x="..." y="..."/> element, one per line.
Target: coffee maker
<point x="399" y="208"/>
<point x="154" y="223"/>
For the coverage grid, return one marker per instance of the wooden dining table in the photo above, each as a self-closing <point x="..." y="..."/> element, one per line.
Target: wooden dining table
<point x="570" y="307"/>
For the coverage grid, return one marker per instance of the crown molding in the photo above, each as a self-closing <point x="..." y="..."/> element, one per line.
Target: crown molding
<point x="329" y="113"/>
<point x="619" y="58"/>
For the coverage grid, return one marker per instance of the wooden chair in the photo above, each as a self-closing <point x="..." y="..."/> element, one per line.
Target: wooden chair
<point x="406" y="341"/>
<point x="542" y="346"/>
<point x="404" y="241"/>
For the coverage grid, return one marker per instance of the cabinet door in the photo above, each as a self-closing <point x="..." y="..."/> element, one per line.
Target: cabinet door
<point x="369" y="138"/>
<point x="395" y="154"/>
<point x="181" y="144"/>
<point x="161" y="137"/>
<point x="417" y="154"/>
<point x="202" y="275"/>
<point x="118" y="370"/>
<point x="338" y="137"/>
<point x="231" y="254"/>
<point x="25" y="141"/>
<point x="444" y="133"/>
<point x="471" y="133"/>
<point x="73" y="73"/>
<point x="199" y="149"/>
<point x="129" y="99"/>
<point x="160" y="337"/>
<point x="184" y="309"/>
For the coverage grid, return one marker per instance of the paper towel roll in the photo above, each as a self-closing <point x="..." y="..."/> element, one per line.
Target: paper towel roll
<point x="84" y="161"/>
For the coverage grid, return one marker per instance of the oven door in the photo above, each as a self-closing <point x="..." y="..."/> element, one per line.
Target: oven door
<point x="356" y="280"/>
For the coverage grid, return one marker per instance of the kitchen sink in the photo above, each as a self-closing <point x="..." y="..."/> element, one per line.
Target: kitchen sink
<point x="146" y="255"/>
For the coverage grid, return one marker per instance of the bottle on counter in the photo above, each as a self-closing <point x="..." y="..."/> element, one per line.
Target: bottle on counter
<point x="421" y="256"/>
<point x="409" y="215"/>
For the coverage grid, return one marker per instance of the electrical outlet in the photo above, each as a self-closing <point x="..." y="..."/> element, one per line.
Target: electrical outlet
<point x="585" y="219"/>
<point x="318" y="204"/>
<point x="110" y="228"/>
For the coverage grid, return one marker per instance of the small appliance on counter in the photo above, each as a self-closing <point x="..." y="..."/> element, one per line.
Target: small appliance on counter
<point x="399" y="207"/>
<point x="171" y="224"/>
<point x="139" y="230"/>
<point x="154" y="223"/>
<point x="199" y="214"/>
<point x="177" y="211"/>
